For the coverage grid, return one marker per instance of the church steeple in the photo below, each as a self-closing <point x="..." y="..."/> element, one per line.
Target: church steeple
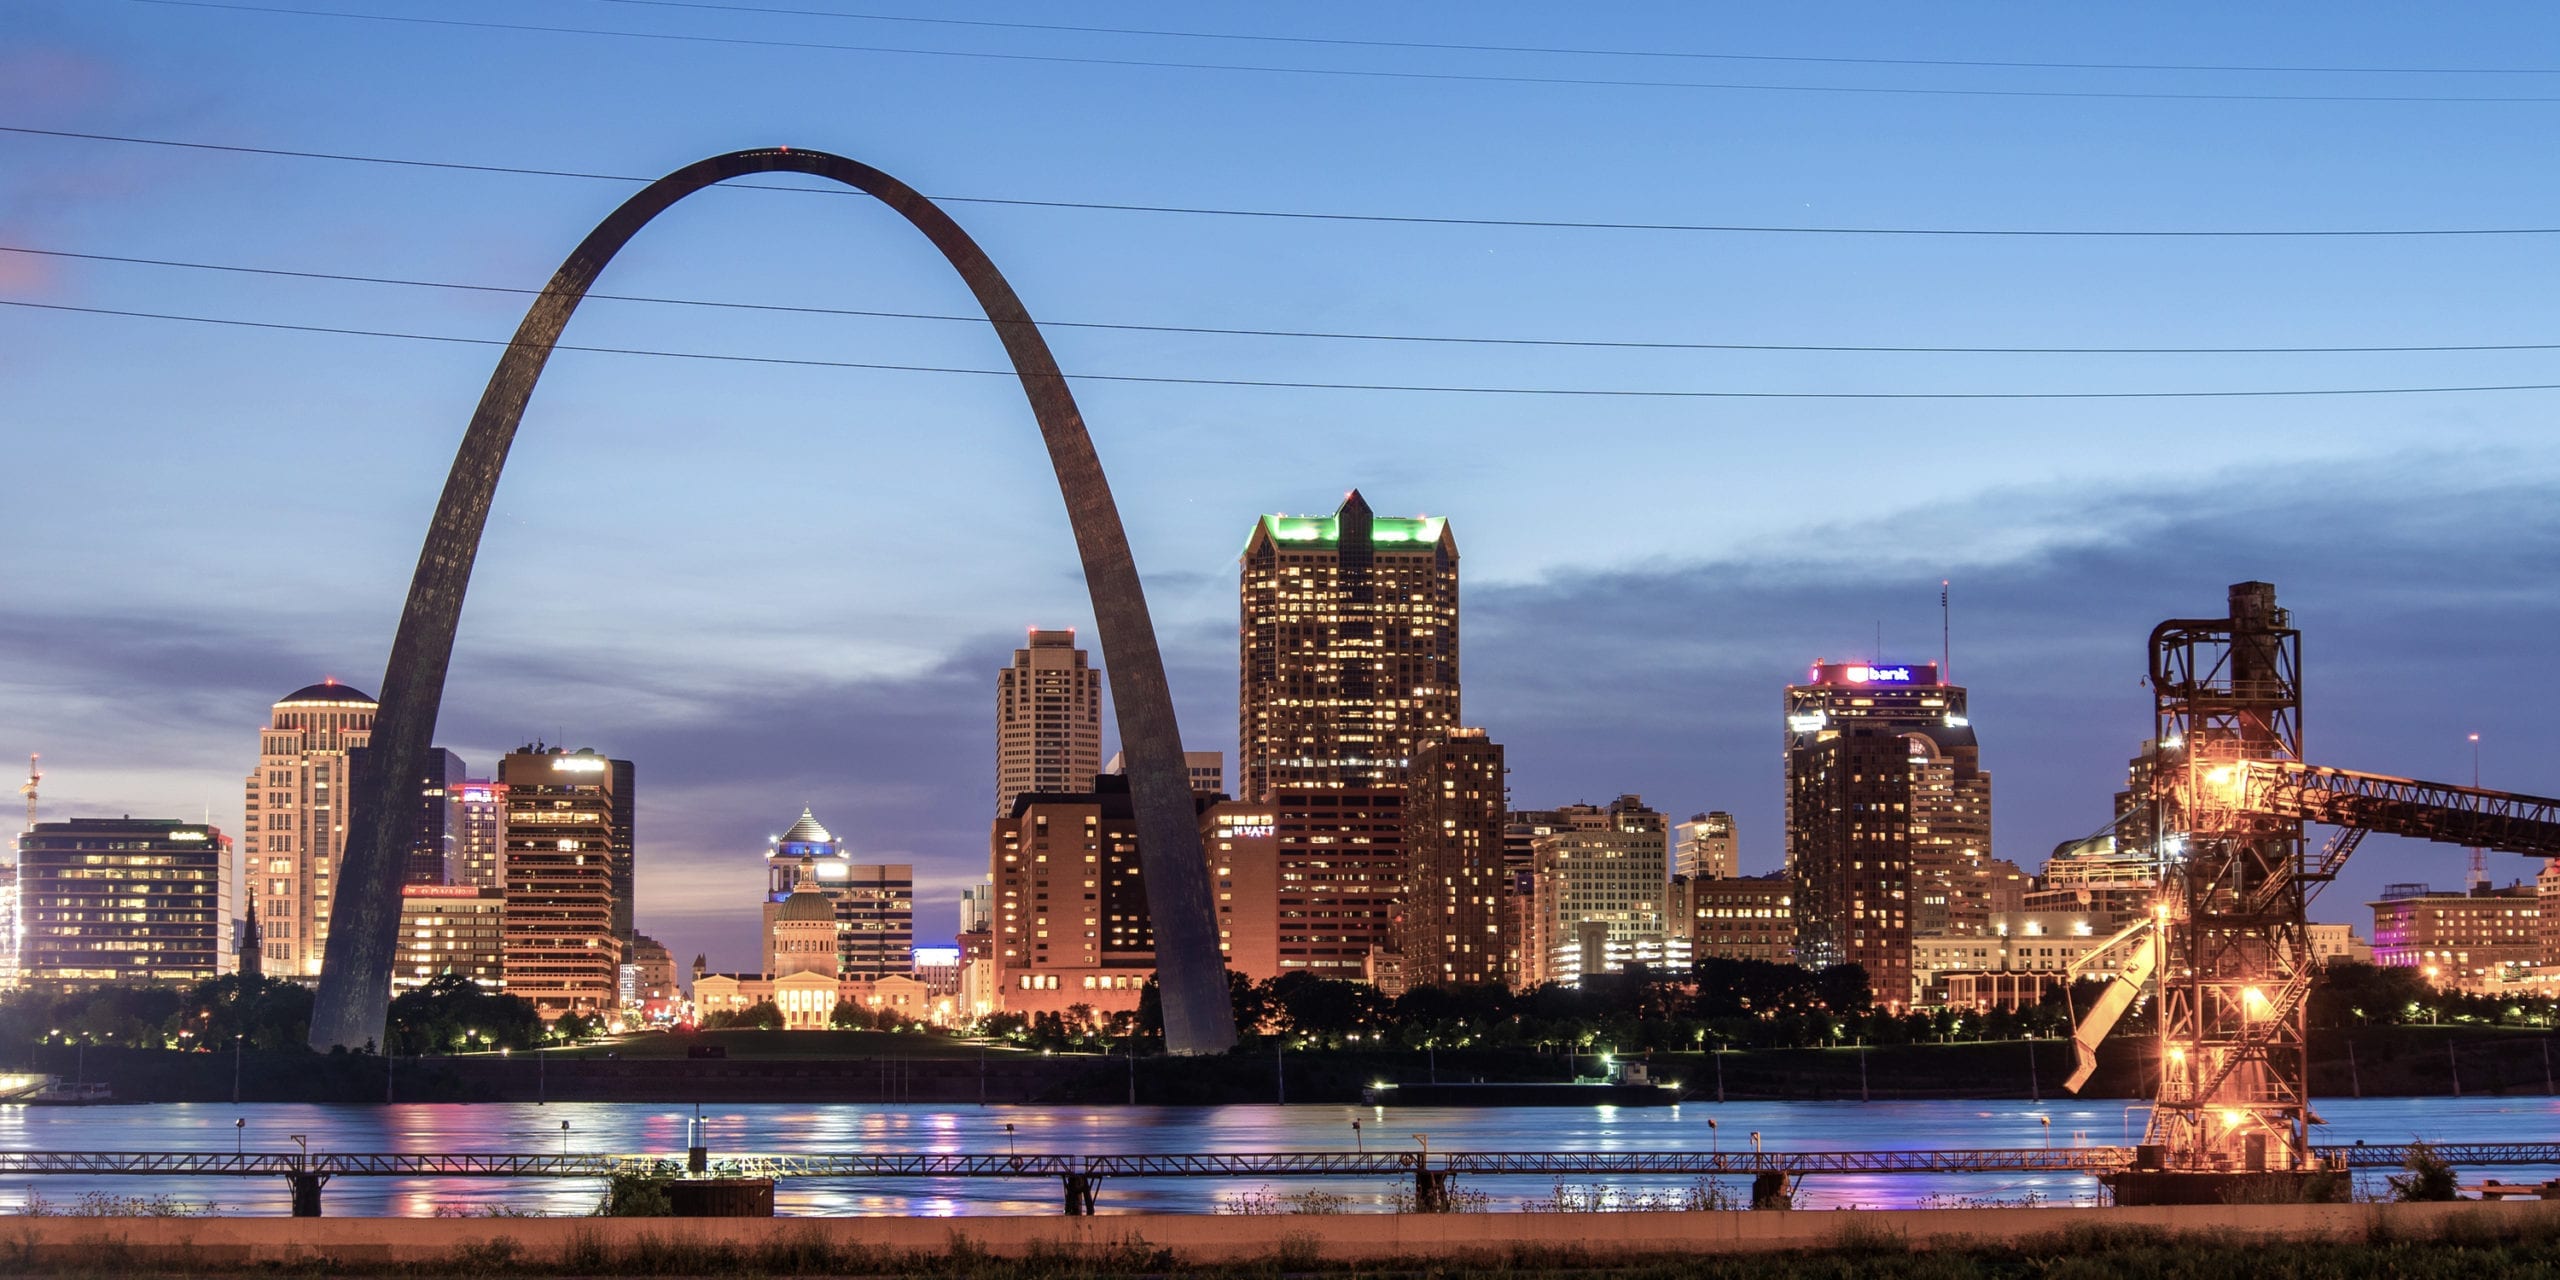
<point x="253" y="964"/>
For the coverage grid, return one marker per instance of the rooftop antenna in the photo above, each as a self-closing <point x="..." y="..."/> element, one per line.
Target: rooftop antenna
<point x="36" y="775"/>
<point x="2479" y="856"/>
<point x="1946" y="637"/>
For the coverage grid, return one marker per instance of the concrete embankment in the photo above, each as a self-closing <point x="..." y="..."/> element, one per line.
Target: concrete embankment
<point x="492" y="1245"/>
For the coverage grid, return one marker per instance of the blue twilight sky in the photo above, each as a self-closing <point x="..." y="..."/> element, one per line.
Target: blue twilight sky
<point x="776" y="586"/>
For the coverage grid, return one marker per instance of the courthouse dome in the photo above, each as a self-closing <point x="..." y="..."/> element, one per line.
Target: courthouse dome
<point x="807" y="831"/>
<point x="806" y="901"/>
<point x="328" y="691"/>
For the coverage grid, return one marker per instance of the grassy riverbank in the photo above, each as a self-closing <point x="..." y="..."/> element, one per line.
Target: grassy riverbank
<point x="2452" y="1249"/>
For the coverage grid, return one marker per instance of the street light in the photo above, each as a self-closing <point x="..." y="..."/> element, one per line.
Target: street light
<point x="1715" y="1138"/>
<point x="240" y="1136"/>
<point x="564" y="1139"/>
<point x="1358" y="1144"/>
<point x="1009" y="1147"/>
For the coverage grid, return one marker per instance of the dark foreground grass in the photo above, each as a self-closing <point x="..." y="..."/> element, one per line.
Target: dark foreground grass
<point x="2463" y="1251"/>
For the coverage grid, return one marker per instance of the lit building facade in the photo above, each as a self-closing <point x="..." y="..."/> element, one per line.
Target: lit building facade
<point x="1602" y="886"/>
<point x="111" y="901"/>
<point x="1736" y="917"/>
<point x="2476" y="941"/>
<point x="562" y="878"/>
<point x="1703" y="847"/>
<point x="2042" y="944"/>
<point x="1070" y="923"/>
<point x="436" y="851"/>
<point x="2336" y="943"/>
<point x="1888" y="820"/>
<point x="451" y="928"/>
<point x="1048" y="719"/>
<point x="1341" y="863"/>
<point x="294" y="828"/>
<point x="1348" y="647"/>
<point x="484" y="834"/>
<point x="1450" y="924"/>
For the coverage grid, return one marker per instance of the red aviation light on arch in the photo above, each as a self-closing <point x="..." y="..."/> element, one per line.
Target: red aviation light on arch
<point x="1874" y="674"/>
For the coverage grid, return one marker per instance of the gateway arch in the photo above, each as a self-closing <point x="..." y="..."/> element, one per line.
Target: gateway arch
<point x="364" y="922"/>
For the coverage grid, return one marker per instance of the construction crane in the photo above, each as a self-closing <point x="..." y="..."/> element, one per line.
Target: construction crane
<point x="2225" y="949"/>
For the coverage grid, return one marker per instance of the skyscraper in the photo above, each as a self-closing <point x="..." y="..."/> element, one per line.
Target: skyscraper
<point x="1348" y="648"/>
<point x="437" y="853"/>
<point x="1048" y="719"/>
<point x="1703" y="847"/>
<point x="484" y="834"/>
<point x="1888" y="818"/>
<point x="123" y="900"/>
<point x="295" y="826"/>
<point x="562" y="847"/>
<point x="1450" y="926"/>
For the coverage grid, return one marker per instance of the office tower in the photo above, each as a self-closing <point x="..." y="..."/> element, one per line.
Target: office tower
<point x="626" y="852"/>
<point x="1702" y="848"/>
<point x="1602" y="884"/>
<point x="295" y="825"/>
<point x="1048" y="719"/>
<point x="1450" y="928"/>
<point x="650" y="977"/>
<point x="561" y="846"/>
<point x="437" y="853"/>
<point x="978" y="907"/>
<point x="451" y="928"/>
<point x="1348" y="648"/>
<point x="878" y="911"/>
<point x="123" y="900"/>
<point x="484" y="834"/>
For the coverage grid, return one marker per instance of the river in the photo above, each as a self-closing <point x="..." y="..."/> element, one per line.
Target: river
<point x="633" y="1128"/>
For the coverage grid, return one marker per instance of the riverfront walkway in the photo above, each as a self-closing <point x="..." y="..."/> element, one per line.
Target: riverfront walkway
<point x="1080" y="1175"/>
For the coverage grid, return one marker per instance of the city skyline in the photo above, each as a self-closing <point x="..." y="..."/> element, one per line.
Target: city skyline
<point x="1610" y="652"/>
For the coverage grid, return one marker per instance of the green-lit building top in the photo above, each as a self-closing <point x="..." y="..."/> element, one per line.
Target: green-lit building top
<point x="1322" y="530"/>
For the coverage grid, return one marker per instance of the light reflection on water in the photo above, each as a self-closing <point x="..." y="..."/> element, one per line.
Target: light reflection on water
<point x="734" y="1129"/>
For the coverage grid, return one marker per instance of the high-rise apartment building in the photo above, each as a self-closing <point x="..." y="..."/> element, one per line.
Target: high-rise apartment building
<point x="1348" y="648"/>
<point x="108" y="901"/>
<point x="1888" y="819"/>
<point x="437" y="852"/>
<point x="1207" y="770"/>
<point x="1703" y="848"/>
<point x="562" y="846"/>
<point x="1602" y="887"/>
<point x="1450" y="924"/>
<point x="295" y="825"/>
<point x="451" y="928"/>
<point x="1048" y="719"/>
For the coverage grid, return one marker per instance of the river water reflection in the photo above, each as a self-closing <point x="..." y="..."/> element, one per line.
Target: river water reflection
<point x="633" y="1128"/>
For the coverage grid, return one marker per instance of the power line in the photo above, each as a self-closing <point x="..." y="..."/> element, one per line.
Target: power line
<point x="1346" y="42"/>
<point x="1579" y="392"/>
<point x="1334" y="335"/>
<point x="1345" y="72"/>
<point x="1541" y="224"/>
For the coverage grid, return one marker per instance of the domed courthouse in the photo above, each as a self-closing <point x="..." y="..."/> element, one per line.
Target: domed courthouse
<point x="834" y="931"/>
